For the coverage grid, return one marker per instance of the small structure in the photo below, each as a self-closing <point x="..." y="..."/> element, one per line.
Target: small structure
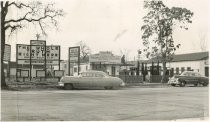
<point x="104" y="61"/>
<point x="198" y="62"/>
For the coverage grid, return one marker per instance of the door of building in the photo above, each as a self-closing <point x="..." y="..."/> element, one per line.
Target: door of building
<point x="207" y="71"/>
<point x="113" y="71"/>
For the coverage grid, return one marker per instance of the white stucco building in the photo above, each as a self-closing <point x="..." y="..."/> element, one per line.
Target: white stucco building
<point x="198" y="62"/>
<point x="104" y="61"/>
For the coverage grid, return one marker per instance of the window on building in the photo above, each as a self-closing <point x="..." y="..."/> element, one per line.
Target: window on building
<point x="172" y="72"/>
<point x="188" y="68"/>
<point x="177" y="70"/>
<point x="182" y="69"/>
<point x="86" y="67"/>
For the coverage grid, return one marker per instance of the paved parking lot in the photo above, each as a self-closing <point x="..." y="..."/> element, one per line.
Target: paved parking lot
<point x="134" y="103"/>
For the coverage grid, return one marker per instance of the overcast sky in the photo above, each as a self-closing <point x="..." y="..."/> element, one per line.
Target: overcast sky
<point x="114" y="25"/>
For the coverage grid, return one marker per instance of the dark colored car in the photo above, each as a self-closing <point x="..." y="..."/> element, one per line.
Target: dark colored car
<point x="188" y="77"/>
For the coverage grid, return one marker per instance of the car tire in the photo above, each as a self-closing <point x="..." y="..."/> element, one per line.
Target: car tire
<point x="182" y="84"/>
<point x="173" y="84"/>
<point x="205" y="84"/>
<point x="68" y="86"/>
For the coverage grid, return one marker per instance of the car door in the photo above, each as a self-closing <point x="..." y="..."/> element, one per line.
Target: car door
<point x="100" y="80"/>
<point x="186" y="76"/>
<point x="194" y="78"/>
<point x="90" y="79"/>
<point x="198" y="77"/>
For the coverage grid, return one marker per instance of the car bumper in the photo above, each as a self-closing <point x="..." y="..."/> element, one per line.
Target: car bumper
<point x="173" y="81"/>
<point x="61" y="84"/>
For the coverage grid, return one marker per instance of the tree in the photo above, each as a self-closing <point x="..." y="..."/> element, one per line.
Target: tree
<point x="85" y="50"/>
<point x="203" y="41"/>
<point x="158" y="27"/>
<point x="125" y="52"/>
<point x="36" y="13"/>
<point x="123" y="59"/>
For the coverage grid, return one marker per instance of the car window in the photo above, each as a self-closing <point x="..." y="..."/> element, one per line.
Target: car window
<point x="87" y="74"/>
<point x="192" y="74"/>
<point x="197" y="74"/>
<point x="99" y="75"/>
<point x="186" y="74"/>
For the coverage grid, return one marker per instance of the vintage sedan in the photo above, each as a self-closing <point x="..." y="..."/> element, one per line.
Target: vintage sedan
<point x="89" y="79"/>
<point x="188" y="77"/>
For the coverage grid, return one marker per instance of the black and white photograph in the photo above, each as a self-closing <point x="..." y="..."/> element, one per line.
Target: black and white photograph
<point x="104" y="60"/>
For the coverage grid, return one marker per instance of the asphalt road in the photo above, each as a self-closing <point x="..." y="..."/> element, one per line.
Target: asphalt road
<point x="134" y="103"/>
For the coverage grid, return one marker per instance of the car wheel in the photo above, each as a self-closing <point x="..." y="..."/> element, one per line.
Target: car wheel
<point x="68" y="86"/>
<point x="205" y="84"/>
<point x="195" y="84"/>
<point x="173" y="84"/>
<point x="182" y="84"/>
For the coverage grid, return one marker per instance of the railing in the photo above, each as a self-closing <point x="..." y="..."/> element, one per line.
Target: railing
<point x="131" y="79"/>
<point x="139" y="79"/>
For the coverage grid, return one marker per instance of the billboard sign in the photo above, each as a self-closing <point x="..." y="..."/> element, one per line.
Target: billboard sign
<point x="7" y="52"/>
<point x="24" y="73"/>
<point x="74" y="53"/>
<point x="38" y="52"/>
<point x="105" y="57"/>
<point x="52" y="52"/>
<point x="38" y="42"/>
<point x="40" y="73"/>
<point x="38" y="62"/>
<point x="23" y="51"/>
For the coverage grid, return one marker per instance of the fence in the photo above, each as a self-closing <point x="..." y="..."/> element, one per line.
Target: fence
<point x="131" y="79"/>
<point x="139" y="79"/>
<point x="157" y="79"/>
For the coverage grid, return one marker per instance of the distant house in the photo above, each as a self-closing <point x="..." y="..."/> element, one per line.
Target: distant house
<point x="103" y="61"/>
<point x="198" y="62"/>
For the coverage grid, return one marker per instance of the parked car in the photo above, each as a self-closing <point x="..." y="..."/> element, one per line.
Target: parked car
<point x="188" y="77"/>
<point x="90" y="79"/>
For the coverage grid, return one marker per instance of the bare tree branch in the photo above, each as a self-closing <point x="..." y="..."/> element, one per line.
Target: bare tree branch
<point x="36" y="13"/>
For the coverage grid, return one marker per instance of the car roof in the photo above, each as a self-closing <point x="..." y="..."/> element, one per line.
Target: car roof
<point x="93" y="71"/>
<point x="190" y="72"/>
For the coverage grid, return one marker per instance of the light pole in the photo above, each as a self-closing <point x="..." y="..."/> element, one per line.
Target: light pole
<point x="138" y="62"/>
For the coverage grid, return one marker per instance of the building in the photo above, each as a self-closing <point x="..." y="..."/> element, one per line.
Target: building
<point x="103" y="61"/>
<point x="198" y="62"/>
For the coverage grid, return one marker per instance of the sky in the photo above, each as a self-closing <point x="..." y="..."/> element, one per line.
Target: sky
<point x="113" y="25"/>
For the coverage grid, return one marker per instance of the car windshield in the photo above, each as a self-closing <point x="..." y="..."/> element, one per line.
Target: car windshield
<point x="186" y="74"/>
<point x="190" y="74"/>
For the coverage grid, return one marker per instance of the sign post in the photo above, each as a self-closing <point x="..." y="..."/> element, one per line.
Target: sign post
<point x="38" y="52"/>
<point x="74" y="57"/>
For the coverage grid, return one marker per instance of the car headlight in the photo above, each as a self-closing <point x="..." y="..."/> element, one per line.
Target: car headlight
<point x="60" y="83"/>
